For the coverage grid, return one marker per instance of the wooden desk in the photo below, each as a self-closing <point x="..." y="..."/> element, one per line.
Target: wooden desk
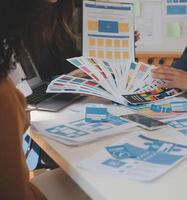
<point x="171" y="186"/>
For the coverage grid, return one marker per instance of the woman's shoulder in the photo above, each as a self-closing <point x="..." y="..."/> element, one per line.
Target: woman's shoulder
<point x="9" y="91"/>
<point x="6" y="85"/>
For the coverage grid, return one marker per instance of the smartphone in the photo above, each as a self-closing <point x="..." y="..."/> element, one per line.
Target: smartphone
<point x="144" y="122"/>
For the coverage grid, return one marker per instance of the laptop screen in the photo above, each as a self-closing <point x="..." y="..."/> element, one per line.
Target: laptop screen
<point x="29" y="68"/>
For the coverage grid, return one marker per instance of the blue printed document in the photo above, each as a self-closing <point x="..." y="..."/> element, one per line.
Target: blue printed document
<point x="77" y="131"/>
<point x="179" y="106"/>
<point x="138" y="156"/>
<point x="179" y="124"/>
<point x="96" y="113"/>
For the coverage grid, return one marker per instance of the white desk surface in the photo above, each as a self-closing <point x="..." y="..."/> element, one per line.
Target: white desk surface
<point x="171" y="186"/>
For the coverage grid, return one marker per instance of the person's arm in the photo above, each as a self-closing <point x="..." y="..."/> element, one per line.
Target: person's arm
<point x="182" y="62"/>
<point x="78" y="73"/>
<point x="136" y="36"/>
<point x="14" y="174"/>
<point x="175" y="78"/>
<point x="176" y="75"/>
<point x="12" y="125"/>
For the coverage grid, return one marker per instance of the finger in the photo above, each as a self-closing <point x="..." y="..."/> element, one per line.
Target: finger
<point x="136" y="32"/>
<point x="163" y="76"/>
<point x="161" y="69"/>
<point x="166" y="69"/>
<point x="170" y="84"/>
<point x="166" y="73"/>
<point x="164" y="85"/>
<point x="137" y="37"/>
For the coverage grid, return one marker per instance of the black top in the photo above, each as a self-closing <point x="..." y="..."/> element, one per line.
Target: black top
<point x="49" y="59"/>
<point x="182" y="62"/>
<point x="50" y="62"/>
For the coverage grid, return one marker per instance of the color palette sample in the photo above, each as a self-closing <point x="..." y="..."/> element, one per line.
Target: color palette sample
<point x="128" y="82"/>
<point x="151" y="96"/>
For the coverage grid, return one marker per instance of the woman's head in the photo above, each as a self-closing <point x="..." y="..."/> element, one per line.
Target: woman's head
<point x="58" y="17"/>
<point x="51" y="21"/>
<point x="51" y="17"/>
<point x="11" y="25"/>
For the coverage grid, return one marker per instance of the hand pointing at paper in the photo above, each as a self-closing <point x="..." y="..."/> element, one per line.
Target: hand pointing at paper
<point x="175" y="78"/>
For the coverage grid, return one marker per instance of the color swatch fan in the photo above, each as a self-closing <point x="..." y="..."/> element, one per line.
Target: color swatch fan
<point x="127" y="82"/>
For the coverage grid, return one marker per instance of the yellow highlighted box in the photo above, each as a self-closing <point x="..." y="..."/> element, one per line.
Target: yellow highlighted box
<point x="117" y="43"/>
<point x="123" y="27"/>
<point x="109" y="54"/>
<point x="125" y="43"/>
<point x="92" y="42"/>
<point x="117" y="54"/>
<point x="100" y="54"/>
<point x="108" y="42"/>
<point x="92" y="25"/>
<point x="125" y="55"/>
<point x="92" y="53"/>
<point x="100" y="42"/>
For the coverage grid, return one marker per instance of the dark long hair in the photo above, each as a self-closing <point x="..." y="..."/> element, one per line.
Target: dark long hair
<point x="50" y="22"/>
<point x="11" y="26"/>
<point x="33" y="21"/>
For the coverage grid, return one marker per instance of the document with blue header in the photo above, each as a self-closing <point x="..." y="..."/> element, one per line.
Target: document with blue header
<point x="138" y="156"/>
<point x="78" y="131"/>
<point x="108" y="30"/>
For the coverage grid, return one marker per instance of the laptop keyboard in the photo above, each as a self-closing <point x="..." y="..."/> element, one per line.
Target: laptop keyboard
<point x="39" y="94"/>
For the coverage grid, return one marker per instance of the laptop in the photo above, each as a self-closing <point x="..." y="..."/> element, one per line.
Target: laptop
<point x="39" y="99"/>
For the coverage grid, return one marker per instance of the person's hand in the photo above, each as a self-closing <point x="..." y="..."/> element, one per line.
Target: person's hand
<point x="78" y="73"/>
<point x="136" y="36"/>
<point x="28" y="119"/>
<point x="174" y="78"/>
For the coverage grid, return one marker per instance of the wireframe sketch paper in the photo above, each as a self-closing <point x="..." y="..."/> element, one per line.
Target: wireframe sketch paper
<point x="179" y="124"/>
<point x="108" y="30"/>
<point x="137" y="156"/>
<point x="78" y="131"/>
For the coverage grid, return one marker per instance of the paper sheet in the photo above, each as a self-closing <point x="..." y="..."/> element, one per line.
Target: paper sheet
<point x="176" y="8"/>
<point x="148" y="24"/>
<point x="78" y="131"/>
<point x="138" y="156"/>
<point x="179" y="124"/>
<point x="108" y="30"/>
<point x="173" y="30"/>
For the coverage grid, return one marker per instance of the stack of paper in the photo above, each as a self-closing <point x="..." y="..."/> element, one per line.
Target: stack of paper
<point x="120" y="82"/>
<point x="78" y="131"/>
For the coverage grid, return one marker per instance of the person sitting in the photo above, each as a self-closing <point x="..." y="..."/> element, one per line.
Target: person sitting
<point x="50" y="39"/>
<point x="175" y="75"/>
<point x="14" y="120"/>
<point x="49" y="36"/>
